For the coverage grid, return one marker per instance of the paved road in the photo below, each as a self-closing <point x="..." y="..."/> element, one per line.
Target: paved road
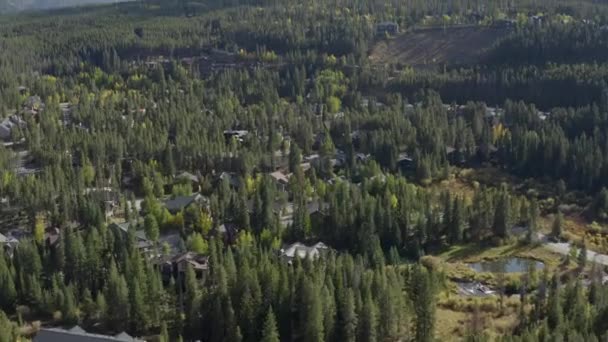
<point x="564" y="249"/>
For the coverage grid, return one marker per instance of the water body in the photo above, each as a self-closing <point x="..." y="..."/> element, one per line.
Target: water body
<point x="507" y="265"/>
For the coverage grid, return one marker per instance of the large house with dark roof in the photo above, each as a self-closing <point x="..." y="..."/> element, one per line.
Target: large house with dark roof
<point x="142" y="243"/>
<point x="179" y="203"/>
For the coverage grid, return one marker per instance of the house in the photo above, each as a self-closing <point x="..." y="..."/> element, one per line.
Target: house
<point x="51" y="237"/>
<point x="173" y="242"/>
<point x="8" y="243"/>
<point x="188" y="177"/>
<point x="301" y="251"/>
<point x="280" y="179"/>
<point x="198" y="262"/>
<point x="229" y="232"/>
<point x="33" y="103"/>
<point x="387" y="27"/>
<point x="141" y="240"/>
<point x="536" y="20"/>
<point x="305" y="166"/>
<point x="8" y="125"/>
<point x="362" y="157"/>
<point x="454" y="156"/>
<point x="239" y="135"/>
<point x="6" y="129"/>
<point x="77" y="334"/>
<point x="108" y="197"/>
<point x="66" y="113"/>
<point x="232" y="179"/>
<point x="504" y="23"/>
<point x="179" y="203"/>
<point x="405" y="162"/>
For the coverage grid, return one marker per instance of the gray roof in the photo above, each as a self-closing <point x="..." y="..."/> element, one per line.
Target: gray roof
<point x="180" y="202"/>
<point x="188" y="176"/>
<point x="77" y="334"/>
<point x="140" y="235"/>
<point x="302" y="251"/>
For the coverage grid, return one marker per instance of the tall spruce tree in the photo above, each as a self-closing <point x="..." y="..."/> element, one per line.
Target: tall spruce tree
<point x="270" y="332"/>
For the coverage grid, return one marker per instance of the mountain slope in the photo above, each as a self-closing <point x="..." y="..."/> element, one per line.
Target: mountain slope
<point x="20" y="5"/>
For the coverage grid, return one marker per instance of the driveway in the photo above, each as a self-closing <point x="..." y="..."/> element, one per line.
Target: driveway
<point x="564" y="249"/>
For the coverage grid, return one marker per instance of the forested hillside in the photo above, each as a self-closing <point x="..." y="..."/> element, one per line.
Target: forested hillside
<point x="255" y="171"/>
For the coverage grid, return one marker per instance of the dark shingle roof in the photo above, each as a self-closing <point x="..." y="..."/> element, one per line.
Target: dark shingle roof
<point x="180" y="202"/>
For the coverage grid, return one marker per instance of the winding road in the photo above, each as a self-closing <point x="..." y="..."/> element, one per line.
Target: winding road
<point x="564" y="249"/>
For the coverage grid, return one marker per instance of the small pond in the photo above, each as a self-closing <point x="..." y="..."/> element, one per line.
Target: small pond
<point x="507" y="265"/>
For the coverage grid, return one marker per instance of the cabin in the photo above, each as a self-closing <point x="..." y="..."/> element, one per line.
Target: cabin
<point x="387" y="28"/>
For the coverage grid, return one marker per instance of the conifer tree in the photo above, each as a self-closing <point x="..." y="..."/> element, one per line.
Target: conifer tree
<point x="557" y="227"/>
<point x="269" y="331"/>
<point x="311" y="313"/>
<point x="422" y="295"/>
<point x="368" y="322"/>
<point x="554" y="308"/>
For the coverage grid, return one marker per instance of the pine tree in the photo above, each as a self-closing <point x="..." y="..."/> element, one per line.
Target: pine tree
<point x="423" y="297"/>
<point x="458" y="220"/>
<point x="582" y="256"/>
<point x="8" y="293"/>
<point x="533" y="221"/>
<point x="368" y="322"/>
<point x="8" y="330"/>
<point x="311" y="313"/>
<point x="164" y="333"/>
<point x="557" y="227"/>
<point x="554" y="308"/>
<point x="117" y="294"/>
<point x="502" y="216"/>
<point x="151" y="227"/>
<point x="269" y="331"/>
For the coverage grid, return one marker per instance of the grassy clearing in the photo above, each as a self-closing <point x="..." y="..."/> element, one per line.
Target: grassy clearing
<point x="457" y="315"/>
<point x="477" y="252"/>
<point x="454" y="262"/>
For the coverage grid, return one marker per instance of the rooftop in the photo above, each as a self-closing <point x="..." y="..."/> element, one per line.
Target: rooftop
<point x="180" y="202"/>
<point x="302" y="251"/>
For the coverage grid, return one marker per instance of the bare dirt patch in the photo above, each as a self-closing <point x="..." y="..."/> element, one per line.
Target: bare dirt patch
<point x="426" y="48"/>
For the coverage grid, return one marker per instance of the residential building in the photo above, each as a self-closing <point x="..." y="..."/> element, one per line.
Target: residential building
<point x="141" y="240"/>
<point x="232" y="179"/>
<point x="302" y="251"/>
<point x="280" y="179"/>
<point x="8" y="243"/>
<point x="229" y="232"/>
<point x="387" y="27"/>
<point x="179" y="203"/>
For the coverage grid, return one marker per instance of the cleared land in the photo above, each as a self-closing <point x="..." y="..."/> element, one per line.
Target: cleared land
<point x="427" y="48"/>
